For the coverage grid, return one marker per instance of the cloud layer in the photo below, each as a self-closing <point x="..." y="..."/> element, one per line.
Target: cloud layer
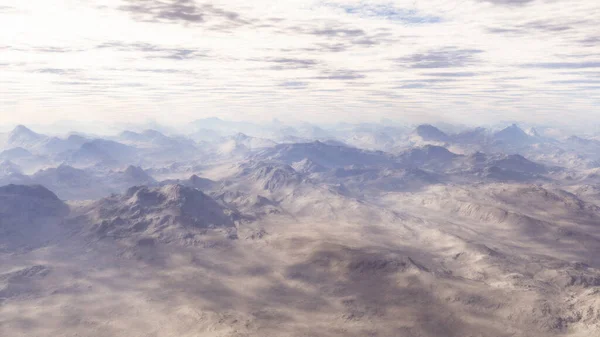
<point x="472" y="61"/>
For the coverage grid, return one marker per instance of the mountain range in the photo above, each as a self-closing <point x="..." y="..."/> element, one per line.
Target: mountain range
<point x="238" y="229"/>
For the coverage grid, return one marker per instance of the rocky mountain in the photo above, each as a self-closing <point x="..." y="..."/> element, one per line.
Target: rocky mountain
<point x="307" y="166"/>
<point x="171" y="212"/>
<point x="28" y="216"/>
<point x="427" y="156"/>
<point x="70" y="183"/>
<point x="430" y="133"/>
<point x="512" y="136"/>
<point x="266" y="177"/>
<point x="132" y="176"/>
<point x="29" y="203"/>
<point x="324" y="154"/>
<point x="464" y="233"/>
<point x="194" y="181"/>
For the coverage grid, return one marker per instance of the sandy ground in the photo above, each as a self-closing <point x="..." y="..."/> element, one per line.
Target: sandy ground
<point x="447" y="263"/>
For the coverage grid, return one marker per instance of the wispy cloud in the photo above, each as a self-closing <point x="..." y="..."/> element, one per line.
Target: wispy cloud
<point x="563" y="65"/>
<point x="449" y="57"/>
<point x="153" y="51"/>
<point x="181" y="11"/>
<point x="341" y="75"/>
<point x="389" y="12"/>
<point x="509" y="2"/>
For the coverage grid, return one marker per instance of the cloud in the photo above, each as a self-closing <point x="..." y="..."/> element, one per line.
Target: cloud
<point x="180" y="11"/>
<point x="550" y="26"/>
<point x="562" y="65"/>
<point x="181" y="54"/>
<point x="579" y="81"/>
<point x="56" y="50"/>
<point x="294" y="84"/>
<point x="287" y="63"/>
<point x="330" y="47"/>
<point x="449" y="57"/>
<point x="341" y="75"/>
<point x="174" y="10"/>
<point x="592" y="41"/>
<point x="337" y="32"/>
<point x="452" y="74"/>
<point x="509" y="2"/>
<point x="293" y="62"/>
<point x="153" y="51"/>
<point x="413" y="86"/>
<point x="162" y="71"/>
<point x="387" y="12"/>
<point x="247" y="59"/>
<point x="57" y="71"/>
<point x="430" y="80"/>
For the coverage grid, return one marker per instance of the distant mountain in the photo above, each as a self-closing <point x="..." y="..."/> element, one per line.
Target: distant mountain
<point x="15" y="153"/>
<point x="7" y="168"/>
<point x="501" y="167"/>
<point x="324" y="155"/>
<point x="102" y="151"/>
<point x="55" y="145"/>
<point x="69" y="182"/>
<point x="512" y="135"/>
<point x="11" y="173"/>
<point x="241" y="145"/>
<point x="579" y="141"/>
<point x="476" y="136"/>
<point x="429" y="132"/>
<point x="370" y="140"/>
<point x="311" y="131"/>
<point x="519" y="163"/>
<point x="132" y="176"/>
<point x="252" y="143"/>
<point x="156" y="139"/>
<point x="271" y="177"/>
<point x="194" y="181"/>
<point x="427" y="156"/>
<point x="23" y="137"/>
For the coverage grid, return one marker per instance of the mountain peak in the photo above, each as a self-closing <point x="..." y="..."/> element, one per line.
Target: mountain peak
<point x="23" y="136"/>
<point x="429" y="132"/>
<point x="512" y="134"/>
<point x="30" y="202"/>
<point x="175" y="204"/>
<point x="22" y="129"/>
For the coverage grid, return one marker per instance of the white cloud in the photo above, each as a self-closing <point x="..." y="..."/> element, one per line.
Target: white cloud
<point x="464" y="60"/>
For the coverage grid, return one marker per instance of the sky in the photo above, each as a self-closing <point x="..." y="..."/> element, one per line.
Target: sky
<point x="173" y="61"/>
